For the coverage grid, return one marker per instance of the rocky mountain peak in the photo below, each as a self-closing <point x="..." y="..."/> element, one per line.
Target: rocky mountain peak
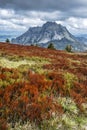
<point x="52" y="26"/>
<point x="49" y="32"/>
<point x="47" y="24"/>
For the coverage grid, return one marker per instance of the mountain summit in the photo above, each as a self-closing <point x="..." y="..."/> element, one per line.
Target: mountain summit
<point x="50" y="32"/>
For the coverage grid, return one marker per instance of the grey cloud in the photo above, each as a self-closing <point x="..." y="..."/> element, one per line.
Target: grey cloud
<point x="76" y="8"/>
<point x="61" y="5"/>
<point x="27" y="12"/>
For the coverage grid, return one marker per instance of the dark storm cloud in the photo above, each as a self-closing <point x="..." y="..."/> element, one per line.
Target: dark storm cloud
<point x="76" y="8"/>
<point x="61" y="5"/>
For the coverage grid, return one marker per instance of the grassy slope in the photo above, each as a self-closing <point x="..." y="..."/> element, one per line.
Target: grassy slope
<point x="57" y="77"/>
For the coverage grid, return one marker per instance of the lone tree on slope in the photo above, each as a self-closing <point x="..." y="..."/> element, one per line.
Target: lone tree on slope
<point x="7" y="40"/>
<point x="51" y="46"/>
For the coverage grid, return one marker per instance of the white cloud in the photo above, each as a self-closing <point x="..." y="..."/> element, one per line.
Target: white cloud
<point x="46" y="15"/>
<point x="9" y="26"/>
<point x="21" y="21"/>
<point x="6" y="13"/>
<point x="16" y="20"/>
<point x="76" y="25"/>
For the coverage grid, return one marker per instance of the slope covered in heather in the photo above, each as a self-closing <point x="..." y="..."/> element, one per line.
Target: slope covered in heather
<point x="42" y="89"/>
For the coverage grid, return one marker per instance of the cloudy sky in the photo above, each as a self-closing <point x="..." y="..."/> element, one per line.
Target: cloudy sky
<point x="19" y="15"/>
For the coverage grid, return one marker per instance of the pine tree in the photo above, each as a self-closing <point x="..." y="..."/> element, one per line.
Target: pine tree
<point x="51" y="46"/>
<point x="7" y="40"/>
<point x="68" y="48"/>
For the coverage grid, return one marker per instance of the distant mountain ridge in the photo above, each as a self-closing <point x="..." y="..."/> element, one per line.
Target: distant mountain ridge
<point x="50" y="32"/>
<point x="82" y="39"/>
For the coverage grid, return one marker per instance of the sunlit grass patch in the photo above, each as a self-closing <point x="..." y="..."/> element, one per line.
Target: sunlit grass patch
<point x="69" y="80"/>
<point x="14" y="64"/>
<point x="5" y="62"/>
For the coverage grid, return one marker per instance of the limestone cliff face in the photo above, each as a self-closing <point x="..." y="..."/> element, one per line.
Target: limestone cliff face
<point x="50" y="32"/>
